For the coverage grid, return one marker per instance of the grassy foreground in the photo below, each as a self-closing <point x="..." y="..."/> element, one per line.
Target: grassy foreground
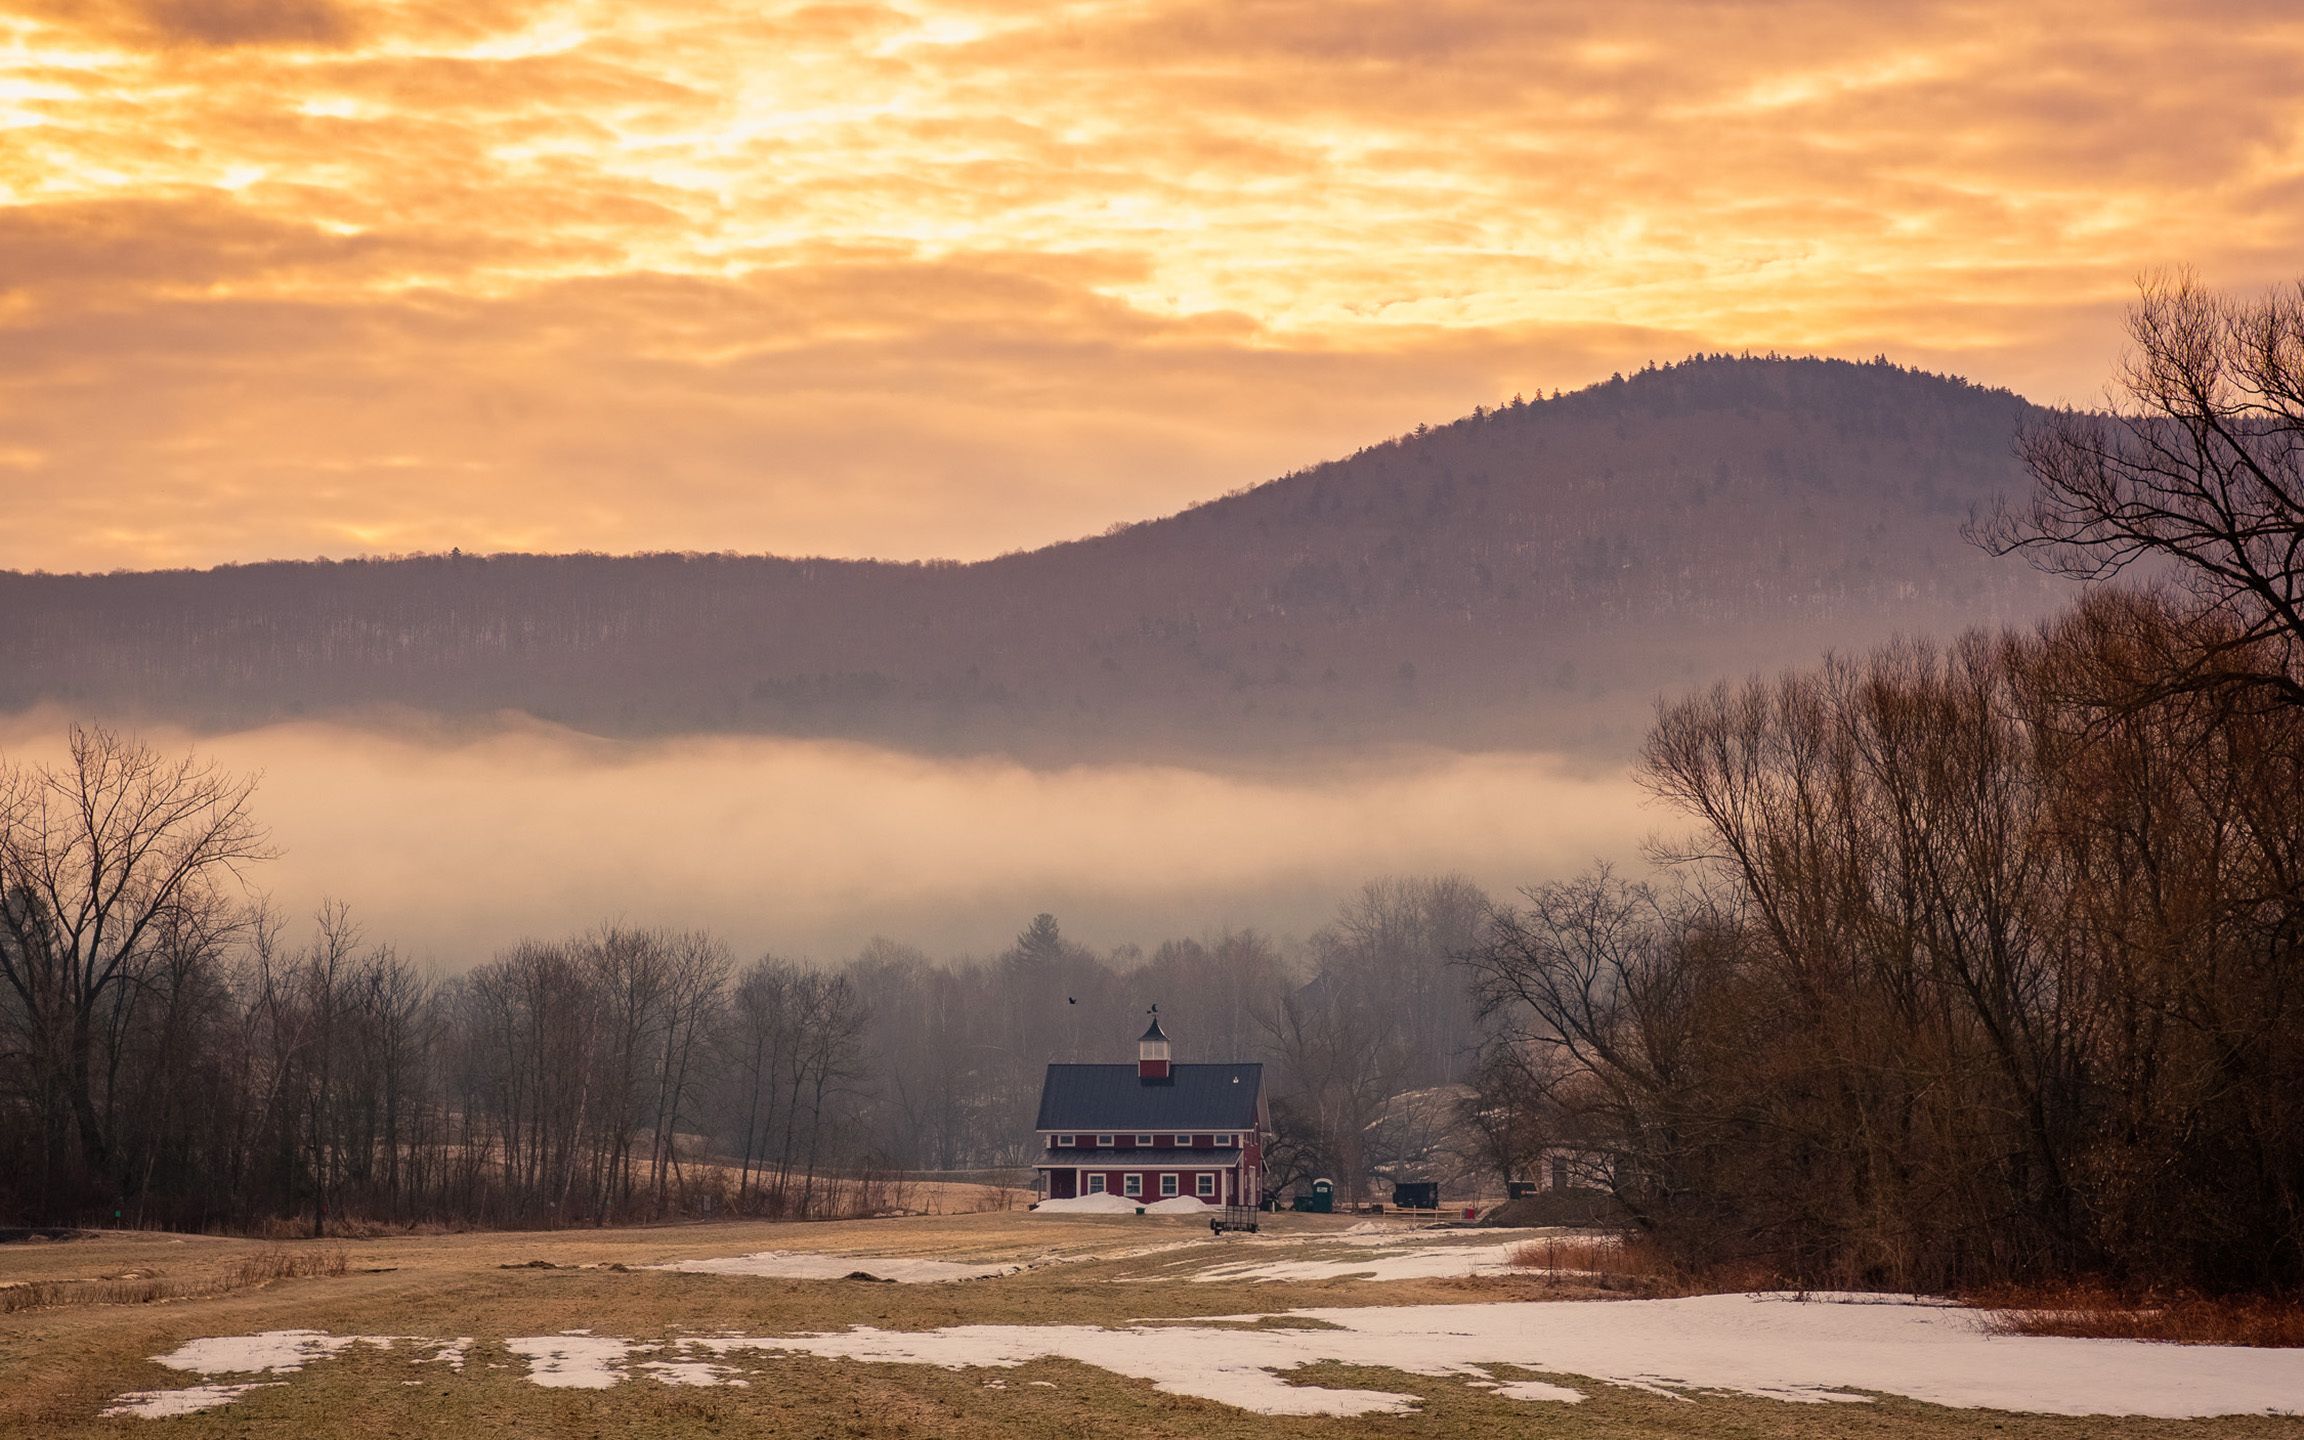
<point x="62" y="1364"/>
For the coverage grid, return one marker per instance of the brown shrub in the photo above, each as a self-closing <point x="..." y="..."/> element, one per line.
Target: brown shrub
<point x="1626" y="1257"/>
<point x="1637" y="1261"/>
<point x="2095" y="1312"/>
<point x="135" y="1288"/>
<point x="279" y="1263"/>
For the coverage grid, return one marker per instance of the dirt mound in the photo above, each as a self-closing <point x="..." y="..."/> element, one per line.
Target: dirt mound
<point x="1558" y="1207"/>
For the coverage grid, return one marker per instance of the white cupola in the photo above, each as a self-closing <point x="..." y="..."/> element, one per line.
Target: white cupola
<point x="1152" y="1052"/>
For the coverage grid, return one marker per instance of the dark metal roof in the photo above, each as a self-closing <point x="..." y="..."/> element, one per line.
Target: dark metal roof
<point x="1153" y="1031"/>
<point x="1199" y="1157"/>
<point x="1109" y="1098"/>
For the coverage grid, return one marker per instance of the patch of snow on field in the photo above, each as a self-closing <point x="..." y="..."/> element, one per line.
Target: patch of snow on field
<point x="806" y="1265"/>
<point x="1398" y="1260"/>
<point x="274" y="1351"/>
<point x="574" y="1360"/>
<point x="1228" y="1365"/>
<point x="1534" y="1390"/>
<point x="451" y="1353"/>
<point x="162" y="1404"/>
<point x="1769" y="1346"/>
<point x="690" y="1372"/>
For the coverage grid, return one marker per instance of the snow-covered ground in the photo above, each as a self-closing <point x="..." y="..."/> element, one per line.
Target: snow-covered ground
<point x="842" y="1264"/>
<point x="1375" y="1252"/>
<point x="821" y="1265"/>
<point x="1385" y="1254"/>
<point x="161" y="1404"/>
<point x="274" y="1352"/>
<point x="1772" y="1346"/>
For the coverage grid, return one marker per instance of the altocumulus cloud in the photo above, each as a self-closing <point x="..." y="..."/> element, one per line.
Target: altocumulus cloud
<point x="298" y="276"/>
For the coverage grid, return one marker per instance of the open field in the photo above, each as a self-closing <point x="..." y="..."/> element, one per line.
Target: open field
<point x="1075" y="1324"/>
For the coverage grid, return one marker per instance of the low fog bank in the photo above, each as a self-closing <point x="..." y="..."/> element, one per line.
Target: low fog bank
<point x="452" y="848"/>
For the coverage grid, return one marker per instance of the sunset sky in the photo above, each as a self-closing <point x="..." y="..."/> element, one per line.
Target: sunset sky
<point x="282" y="278"/>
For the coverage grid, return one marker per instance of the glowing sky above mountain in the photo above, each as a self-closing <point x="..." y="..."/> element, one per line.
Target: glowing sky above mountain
<point x="297" y="277"/>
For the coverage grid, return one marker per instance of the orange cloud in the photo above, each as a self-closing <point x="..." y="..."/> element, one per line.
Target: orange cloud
<point x="282" y="277"/>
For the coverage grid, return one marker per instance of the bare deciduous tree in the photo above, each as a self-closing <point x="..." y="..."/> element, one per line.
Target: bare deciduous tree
<point x="2200" y="467"/>
<point x="1983" y="969"/>
<point x="103" y="857"/>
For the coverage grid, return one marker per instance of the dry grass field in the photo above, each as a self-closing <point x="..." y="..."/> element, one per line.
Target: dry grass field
<point x="110" y="1304"/>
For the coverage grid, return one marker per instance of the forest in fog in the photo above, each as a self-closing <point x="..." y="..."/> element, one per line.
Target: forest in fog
<point x="179" y="1056"/>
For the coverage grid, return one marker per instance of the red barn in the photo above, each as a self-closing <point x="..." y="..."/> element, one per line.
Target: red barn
<point x="1153" y="1130"/>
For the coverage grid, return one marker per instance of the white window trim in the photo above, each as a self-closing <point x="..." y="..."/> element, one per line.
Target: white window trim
<point x="1065" y="1142"/>
<point x="1144" y="1140"/>
<point x="1103" y="1142"/>
<point x="1170" y="1185"/>
<point x="1132" y="1186"/>
<point x="1095" y="1185"/>
<point x="1220" y="1140"/>
<point x="1204" y="1183"/>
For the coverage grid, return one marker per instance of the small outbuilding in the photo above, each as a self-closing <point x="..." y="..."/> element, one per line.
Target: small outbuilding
<point x="1416" y="1195"/>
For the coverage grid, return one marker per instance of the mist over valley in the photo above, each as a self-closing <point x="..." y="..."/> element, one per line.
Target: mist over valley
<point x="1436" y="656"/>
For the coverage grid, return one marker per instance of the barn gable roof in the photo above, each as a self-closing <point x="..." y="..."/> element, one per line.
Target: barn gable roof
<point x="1109" y="1098"/>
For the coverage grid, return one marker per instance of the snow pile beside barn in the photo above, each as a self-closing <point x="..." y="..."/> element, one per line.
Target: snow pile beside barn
<point x="1089" y="1205"/>
<point x="1180" y="1205"/>
<point x="1108" y="1204"/>
<point x="1104" y="1203"/>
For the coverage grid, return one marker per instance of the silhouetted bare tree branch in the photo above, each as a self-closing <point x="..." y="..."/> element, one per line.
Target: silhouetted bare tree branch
<point x="2200" y="467"/>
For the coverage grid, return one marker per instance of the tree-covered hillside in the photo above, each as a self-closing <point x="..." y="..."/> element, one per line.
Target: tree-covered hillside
<point x="1532" y="575"/>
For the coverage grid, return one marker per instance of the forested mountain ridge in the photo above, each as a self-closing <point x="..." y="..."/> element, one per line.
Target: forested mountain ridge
<point x="1529" y="576"/>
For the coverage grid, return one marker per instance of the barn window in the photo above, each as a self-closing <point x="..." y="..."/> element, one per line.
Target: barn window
<point x="1095" y="1184"/>
<point x="1066" y="1140"/>
<point x="1144" y="1140"/>
<point x="1204" y="1183"/>
<point x="1103" y="1142"/>
<point x="1219" y="1140"/>
<point x="1132" y="1184"/>
<point x="1168" y="1185"/>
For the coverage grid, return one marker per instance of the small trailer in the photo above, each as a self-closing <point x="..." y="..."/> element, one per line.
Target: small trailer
<point x="1233" y="1217"/>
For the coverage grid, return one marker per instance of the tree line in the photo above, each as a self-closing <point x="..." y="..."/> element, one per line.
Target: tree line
<point x="1980" y="963"/>
<point x="171" y="1055"/>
